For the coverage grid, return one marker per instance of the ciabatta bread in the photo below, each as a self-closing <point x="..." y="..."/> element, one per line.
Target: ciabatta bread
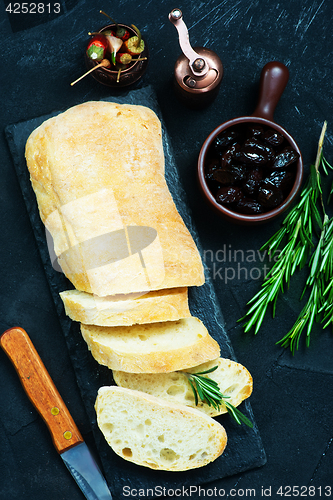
<point x="98" y="174"/>
<point x="153" y="347"/>
<point x="160" y="305"/>
<point x="233" y="379"/>
<point x="154" y="433"/>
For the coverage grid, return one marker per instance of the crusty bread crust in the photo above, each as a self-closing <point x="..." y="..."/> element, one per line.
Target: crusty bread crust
<point x="97" y="170"/>
<point x="234" y="381"/>
<point x="151" y="348"/>
<point x="169" y="304"/>
<point x="98" y="174"/>
<point x="153" y="433"/>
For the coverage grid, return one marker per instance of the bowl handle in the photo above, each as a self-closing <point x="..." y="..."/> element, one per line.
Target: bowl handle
<point x="273" y="80"/>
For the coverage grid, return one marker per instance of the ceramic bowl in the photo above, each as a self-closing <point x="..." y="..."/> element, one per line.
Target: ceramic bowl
<point x="128" y="76"/>
<point x="274" y="78"/>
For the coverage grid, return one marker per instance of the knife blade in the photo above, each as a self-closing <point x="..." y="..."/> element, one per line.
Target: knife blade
<point x="44" y="395"/>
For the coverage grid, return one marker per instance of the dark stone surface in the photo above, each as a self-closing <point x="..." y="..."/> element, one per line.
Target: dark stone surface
<point x="292" y="399"/>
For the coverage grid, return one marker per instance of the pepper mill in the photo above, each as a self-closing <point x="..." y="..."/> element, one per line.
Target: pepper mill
<point x="198" y="72"/>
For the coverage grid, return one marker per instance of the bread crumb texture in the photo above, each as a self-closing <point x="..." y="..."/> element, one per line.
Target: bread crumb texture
<point x="126" y="309"/>
<point x="234" y="380"/>
<point x="152" y="348"/>
<point x="154" y="433"/>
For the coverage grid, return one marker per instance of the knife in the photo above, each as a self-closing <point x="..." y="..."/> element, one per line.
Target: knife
<point x="42" y="392"/>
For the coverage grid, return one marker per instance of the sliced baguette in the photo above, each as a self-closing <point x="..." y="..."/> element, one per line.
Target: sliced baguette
<point x="161" y="305"/>
<point x="151" y="348"/>
<point x="234" y="381"/>
<point x="106" y="202"/>
<point x="154" y="433"/>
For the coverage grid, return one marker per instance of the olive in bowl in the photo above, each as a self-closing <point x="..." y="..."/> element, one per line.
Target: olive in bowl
<point x="249" y="172"/>
<point x="250" y="169"/>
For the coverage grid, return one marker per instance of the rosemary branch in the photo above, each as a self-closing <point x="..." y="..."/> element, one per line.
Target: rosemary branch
<point x="327" y="270"/>
<point x="296" y="233"/>
<point x="209" y="392"/>
<point x="320" y="263"/>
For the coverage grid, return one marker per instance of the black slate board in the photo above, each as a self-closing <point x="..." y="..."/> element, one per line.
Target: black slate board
<point x="244" y="450"/>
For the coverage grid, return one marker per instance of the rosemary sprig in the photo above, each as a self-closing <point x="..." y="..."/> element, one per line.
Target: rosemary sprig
<point x="320" y="276"/>
<point x="327" y="270"/>
<point x="209" y="392"/>
<point x="296" y="233"/>
<point x="320" y="265"/>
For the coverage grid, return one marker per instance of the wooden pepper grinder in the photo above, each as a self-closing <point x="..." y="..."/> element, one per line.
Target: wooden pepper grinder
<point x="198" y="72"/>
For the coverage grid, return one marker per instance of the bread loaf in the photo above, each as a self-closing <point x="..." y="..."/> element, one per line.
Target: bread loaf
<point x="98" y="174"/>
<point x="154" y="433"/>
<point x="153" y="347"/>
<point x="161" y="305"/>
<point x="233" y="379"/>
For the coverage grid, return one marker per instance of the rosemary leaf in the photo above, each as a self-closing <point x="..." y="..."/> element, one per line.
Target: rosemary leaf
<point x="326" y="163"/>
<point x="194" y="391"/>
<point x="209" y="392"/>
<point x="210" y="370"/>
<point x="231" y="411"/>
<point x="316" y="214"/>
<point x="238" y="415"/>
<point x="201" y="394"/>
<point x="254" y="306"/>
<point x="260" y="319"/>
<point x="326" y="270"/>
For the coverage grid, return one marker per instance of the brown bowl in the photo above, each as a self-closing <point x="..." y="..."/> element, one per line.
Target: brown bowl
<point x="274" y="78"/>
<point x="129" y="75"/>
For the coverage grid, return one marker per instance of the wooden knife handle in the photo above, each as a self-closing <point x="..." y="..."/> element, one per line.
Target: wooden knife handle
<point x="40" y="388"/>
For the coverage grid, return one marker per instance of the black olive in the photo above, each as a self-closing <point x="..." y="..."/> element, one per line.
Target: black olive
<point x="252" y="181"/>
<point x="230" y="175"/>
<point x="229" y="194"/>
<point x="255" y="131"/>
<point x="251" y="168"/>
<point x="270" y="198"/>
<point x="280" y="179"/>
<point x="249" y="206"/>
<point x="273" y="137"/>
<point x="253" y="152"/>
<point x="228" y="155"/>
<point x="260" y="146"/>
<point x="287" y="157"/>
<point x="210" y="169"/>
<point x="224" y="139"/>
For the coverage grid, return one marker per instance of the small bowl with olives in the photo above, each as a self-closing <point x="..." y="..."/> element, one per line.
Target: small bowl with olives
<point x="250" y="169"/>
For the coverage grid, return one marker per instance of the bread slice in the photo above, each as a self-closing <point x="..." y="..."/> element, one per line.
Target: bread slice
<point x="162" y="305"/>
<point x="98" y="174"/>
<point x="234" y="381"/>
<point x="153" y="347"/>
<point x="154" y="433"/>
